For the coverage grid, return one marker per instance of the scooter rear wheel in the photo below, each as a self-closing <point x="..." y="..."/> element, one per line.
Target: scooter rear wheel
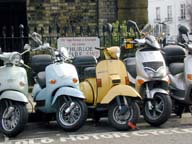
<point x="75" y="118"/>
<point x="15" y="123"/>
<point x="160" y="111"/>
<point x="120" y="121"/>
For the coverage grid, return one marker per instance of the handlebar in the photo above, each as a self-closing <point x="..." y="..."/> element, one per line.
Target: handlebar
<point x="42" y="47"/>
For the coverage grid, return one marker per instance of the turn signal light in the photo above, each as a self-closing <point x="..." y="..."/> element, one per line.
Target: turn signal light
<point x="126" y="80"/>
<point x="52" y="81"/>
<point x="75" y="80"/>
<point x="140" y="81"/>
<point x="99" y="83"/>
<point x="189" y="76"/>
<point x="21" y="83"/>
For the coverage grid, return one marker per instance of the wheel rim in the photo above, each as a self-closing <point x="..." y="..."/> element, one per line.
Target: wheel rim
<point x="122" y="119"/>
<point x="71" y="118"/>
<point x="157" y="109"/>
<point x="11" y="123"/>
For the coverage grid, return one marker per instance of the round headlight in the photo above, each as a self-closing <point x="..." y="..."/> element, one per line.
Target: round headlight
<point x="15" y="58"/>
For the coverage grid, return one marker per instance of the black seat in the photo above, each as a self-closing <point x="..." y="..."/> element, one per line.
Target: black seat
<point x="176" y="68"/>
<point x="130" y="64"/>
<point x="41" y="79"/>
<point x="39" y="62"/>
<point x="82" y="62"/>
<point x="90" y="72"/>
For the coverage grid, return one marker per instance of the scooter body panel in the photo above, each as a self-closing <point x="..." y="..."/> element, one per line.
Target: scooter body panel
<point x="73" y="92"/>
<point x="63" y="75"/>
<point x="181" y="86"/>
<point x="14" y="95"/>
<point x="120" y="90"/>
<point x="13" y="78"/>
<point x="153" y="62"/>
<point x="111" y="73"/>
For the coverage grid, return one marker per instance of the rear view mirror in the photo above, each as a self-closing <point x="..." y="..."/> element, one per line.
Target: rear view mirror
<point x="27" y="47"/>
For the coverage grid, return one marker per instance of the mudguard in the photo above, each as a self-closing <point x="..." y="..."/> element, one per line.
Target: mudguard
<point x="69" y="91"/>
<point x="120" y="90"/>
<point x="157" y="90"/>
<point x="14" y="95"/>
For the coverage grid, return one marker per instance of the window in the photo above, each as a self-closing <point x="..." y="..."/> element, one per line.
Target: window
<point x="183" y="11"/>
<point x="169" y="12"/>
<point x="158" y="17"/>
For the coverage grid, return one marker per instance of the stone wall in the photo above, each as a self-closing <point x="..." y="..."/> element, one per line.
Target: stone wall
<point x="45" y="13"/>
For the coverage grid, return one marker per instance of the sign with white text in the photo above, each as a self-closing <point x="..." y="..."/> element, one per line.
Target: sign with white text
<point x="77" y="46"/>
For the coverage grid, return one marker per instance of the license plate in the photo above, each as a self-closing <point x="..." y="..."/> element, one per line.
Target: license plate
<point x="128" y="45"/>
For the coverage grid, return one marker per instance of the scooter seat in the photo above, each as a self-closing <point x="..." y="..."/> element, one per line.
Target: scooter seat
<point x="41" y="79"/>
<point x="90" y="72"/>
<point x="130" y="64"/>
<point x="176" y="68"/>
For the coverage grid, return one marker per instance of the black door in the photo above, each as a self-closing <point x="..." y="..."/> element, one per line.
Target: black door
<point x="12" y="14"/>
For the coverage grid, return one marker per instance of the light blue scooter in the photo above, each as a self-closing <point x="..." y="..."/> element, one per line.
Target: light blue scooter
<point x="57" y="87"/>
<point x="13" y="94"/>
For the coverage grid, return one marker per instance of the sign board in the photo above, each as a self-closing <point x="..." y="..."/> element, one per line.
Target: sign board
<point x="77" y="46"/>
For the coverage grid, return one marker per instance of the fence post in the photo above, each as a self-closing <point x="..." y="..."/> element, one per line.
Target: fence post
<point x="42" y="34"/>
<point x="104" y="42"/>
<point x="12" y="37"/>
<point x="50" y="30"/>
<point x="21" y="31"/>
<point x="4" y="36"/>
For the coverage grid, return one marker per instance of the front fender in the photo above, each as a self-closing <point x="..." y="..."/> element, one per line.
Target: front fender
<point x="69" y="91"/>
<point x="14" y="95"/>
<point x="157" y="90"/>
<point x="120" y="90"/>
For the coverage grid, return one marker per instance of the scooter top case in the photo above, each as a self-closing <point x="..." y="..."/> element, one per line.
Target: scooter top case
<point x="173" y="53"/>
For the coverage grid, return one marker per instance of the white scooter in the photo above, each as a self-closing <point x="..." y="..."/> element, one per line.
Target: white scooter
<point x="147" y="72"/>
<point x="56" y="90"/>
<point x="179" y="60"/>
<point x="13" y="94"/>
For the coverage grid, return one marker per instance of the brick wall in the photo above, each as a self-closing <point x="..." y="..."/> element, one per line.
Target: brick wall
<point x="44" y="13"/>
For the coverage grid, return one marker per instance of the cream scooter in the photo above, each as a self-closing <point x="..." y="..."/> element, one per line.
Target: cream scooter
<point x="107" y="91"/>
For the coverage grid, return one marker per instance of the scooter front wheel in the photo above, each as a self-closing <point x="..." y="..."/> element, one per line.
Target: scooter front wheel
<point x="158" y="110"/>
<point x="73" y="119"/>
<point x="13" y="118"/>
<point x="120" y="121"/>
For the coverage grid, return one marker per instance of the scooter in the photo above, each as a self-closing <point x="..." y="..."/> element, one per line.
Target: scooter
<point x="13" y="94"/>
<point x="107" y="91"/>
<point x="147" y="72"/>
<point x="56" y="89"/>
<point x="178" y="58"/>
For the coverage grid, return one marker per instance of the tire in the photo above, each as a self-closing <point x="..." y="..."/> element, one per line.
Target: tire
<point x="20" y="113"/>
<point x="158" y="115"/>
<point x="81" y="112"/>
<point x="120" y="122"/>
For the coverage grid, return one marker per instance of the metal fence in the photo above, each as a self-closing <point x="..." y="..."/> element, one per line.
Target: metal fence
<point x="13" y="39"/>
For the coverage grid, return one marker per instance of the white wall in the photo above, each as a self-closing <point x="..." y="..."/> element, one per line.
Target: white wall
<point x="173" y="25"/>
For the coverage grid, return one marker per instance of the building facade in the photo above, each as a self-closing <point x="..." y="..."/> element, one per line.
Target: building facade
<point x="171" y="13"/>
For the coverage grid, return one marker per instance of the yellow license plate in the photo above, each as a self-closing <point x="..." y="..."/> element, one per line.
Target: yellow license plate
<point x="128" y="45"/>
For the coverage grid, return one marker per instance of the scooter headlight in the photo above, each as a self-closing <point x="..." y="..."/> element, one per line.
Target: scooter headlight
<point x="15" y="58"/>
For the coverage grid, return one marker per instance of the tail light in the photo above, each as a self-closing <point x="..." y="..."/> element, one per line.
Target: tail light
<point x="126" y="80"/>
<point x="99" y="83"/>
